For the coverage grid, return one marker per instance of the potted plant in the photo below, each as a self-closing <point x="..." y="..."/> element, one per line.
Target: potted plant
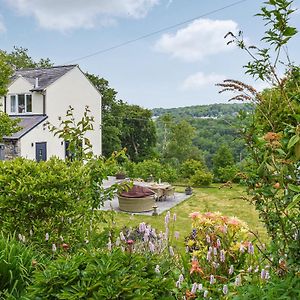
<point x="120" y="174"/>
<point x="188" y="190"/>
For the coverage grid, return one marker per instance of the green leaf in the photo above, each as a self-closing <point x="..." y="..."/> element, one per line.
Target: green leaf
<point x="294" y="188"/>
<point x="289" y="31"/>
<point x="294" y="139"/>
<point x="295" y="200"/>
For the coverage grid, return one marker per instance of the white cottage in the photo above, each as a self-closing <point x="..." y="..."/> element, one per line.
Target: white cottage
<point x="36" y="96"/>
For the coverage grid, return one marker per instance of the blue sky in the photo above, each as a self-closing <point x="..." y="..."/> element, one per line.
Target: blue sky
<point x="177" y="67"/>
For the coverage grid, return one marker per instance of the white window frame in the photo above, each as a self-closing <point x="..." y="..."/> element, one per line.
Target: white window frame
<point x="26" y="96"/>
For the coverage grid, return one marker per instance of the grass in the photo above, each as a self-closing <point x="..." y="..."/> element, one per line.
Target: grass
<point x="225" y="200"/>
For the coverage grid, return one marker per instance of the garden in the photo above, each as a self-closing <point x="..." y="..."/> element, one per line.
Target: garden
<point x="236" y="240"/>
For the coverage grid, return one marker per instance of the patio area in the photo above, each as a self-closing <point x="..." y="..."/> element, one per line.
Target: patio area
<point x="163" y="205"/>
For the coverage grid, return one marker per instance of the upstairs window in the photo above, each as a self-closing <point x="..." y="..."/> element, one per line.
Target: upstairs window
<point x="21" y="103"/>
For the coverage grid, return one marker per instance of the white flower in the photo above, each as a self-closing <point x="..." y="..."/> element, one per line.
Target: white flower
<point x="218" y="243"/>
<point x="194" y="288"/>
<point x="200" y="286"/>
<point x="53" y="247"/>
<point x="231" y="270"/>
<point x="47" y="236"/>
<point x="205" y="293"/>
<point x="151" y="247"/>
<point x="181" y="278"/>
<point x="208" y="239"/>
<point x="157" y="270"/>
<point x="238" y="280"/>
<point x="118" y="241"/>
<point x="211" y="279"/>
<point x="122" y="237"/>
<point x="171" y="251"/>
<point x="174" y="217"/>
<point x="222" y="255"/>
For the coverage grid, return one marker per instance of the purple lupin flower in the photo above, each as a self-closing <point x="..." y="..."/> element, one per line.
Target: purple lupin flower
<point x="194" y="288"/>
<point x="263" y="274"/>
<point x="122" y="237"/>
<point x="176" y="235"/>
<point x="250" y="248"/>
<point x="200" y="286"/>
<point x="238" y="280"/>
<point x="231" y="270"/>
<point x="171" y="251"/>
<point x="225" y="289"/>
<point x="208" y="239"/>
<point x="222" y="255"/>
<point x="218" y="243"/>
<point x="211" y="279"/>
<point x="151" y="247"/>
<point x="174" y="217"/>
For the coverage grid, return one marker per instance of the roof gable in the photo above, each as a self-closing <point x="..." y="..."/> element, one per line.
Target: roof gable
<point x="46" y="76"/>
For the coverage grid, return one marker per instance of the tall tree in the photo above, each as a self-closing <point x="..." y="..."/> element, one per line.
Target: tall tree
<point x="138" y="132"/>
<point x="223" y="158"/>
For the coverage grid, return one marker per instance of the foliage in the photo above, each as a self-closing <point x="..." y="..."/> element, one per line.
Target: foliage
<point x="17" y="263"/>
<point x="103" y="275"/>
<point x="138" y="133"/>
<point x="223" y="158"/>
<point x="7" y="125"/>
<point x="124" y="125"/>
<point x="201" y="178"/>
<point x="50" y="198"/>
<point x="287" y="287"/>
<point x="189" y="167"/>
<point x="229" y="173"/>
<point x="74" y="133"/>
<point x="5" y="73"/>
<point x="154" y="169"/>
<point x="273" y="136"/>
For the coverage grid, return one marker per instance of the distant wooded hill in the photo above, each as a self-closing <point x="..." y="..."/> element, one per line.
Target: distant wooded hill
<point x="215" y="124"/>
<point x="204" y="111"/>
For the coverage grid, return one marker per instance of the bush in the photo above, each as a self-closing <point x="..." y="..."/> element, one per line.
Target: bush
<point x="154" y="168"/>
<point x="51" y="198"/>
<point x="104" y="275"/>
<point x="190" y="167"/>
<point x="228" y="173"/>
<point x="201" y="178"/>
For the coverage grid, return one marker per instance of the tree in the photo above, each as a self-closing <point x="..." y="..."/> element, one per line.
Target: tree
<point x="7" y="125"/>
<point x="179" y="145"/>
<point x="112" y="115"/>
<point x="138" y="132"/>
<point x="223" y="158"/>
<point x="5" y="73"/>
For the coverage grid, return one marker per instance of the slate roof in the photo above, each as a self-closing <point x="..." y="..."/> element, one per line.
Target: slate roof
<point x="46" y="76"/>
<point x="27" y="123"/>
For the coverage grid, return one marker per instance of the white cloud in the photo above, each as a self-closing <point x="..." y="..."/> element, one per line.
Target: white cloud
<point x="199" y="80"/>
<point x="71" y="14"/>
<point x="199" y="39"/>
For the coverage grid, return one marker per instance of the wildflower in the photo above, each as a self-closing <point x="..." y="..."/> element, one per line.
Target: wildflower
<point x="167" y="219"/>
<point x="53" y="247"/>
<point x="194" y="288"/>
<point x="222" y="255"/>
<point x="31" y="232"/>
<point x="178" y="284"/>
<point x="195" y="267"/>
<point x="211" y="279"/>
<point x="174" y="217"/>
<point x="47" y="236"/>
<point x="200" y="286"/>
<point x="118" y="241"/>
<point x="180" y="278"/>
<point x="225" y="289"/>
<point x="130" y="242"/>
<point x="187" y="249"/>
<point x="109" y="245"/>
<point x="142" y="227"/>
<point x="215" y="251"/>
<point x="171" y="251"/>
<point x="249" y="270"/>
<point x="20" y="236"/>
<point x="194" y="215"/>
<point x="208" y="239"/>
<point x="151" y="247"/>
<point x="176" y="235"/>
<point x="61" y="238"/>
<point x="65" y="246"/>
<point x="122" y="237"/>
<point x="231" y="270"/>
<point x="146" y="237"/>
<point x="250" y="248"/>
<point x="238" y="280"/>
<point x="208" y="256"/>
<point x="218" y="243"/>
<point x="267" y="277"/>
<point x="33" y="262"/>
<point x="157" y="270"/>
<point x="263" y="274"/>
<point x="205" y="293"/>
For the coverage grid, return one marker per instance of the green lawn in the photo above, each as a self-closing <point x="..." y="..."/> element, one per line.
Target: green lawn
<point x="225" y="200"/>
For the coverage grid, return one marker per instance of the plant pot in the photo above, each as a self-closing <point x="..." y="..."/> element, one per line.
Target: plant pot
<point x="136" y="204"/>
<point x="120" y="176"/>
<point x="188" y="191"/>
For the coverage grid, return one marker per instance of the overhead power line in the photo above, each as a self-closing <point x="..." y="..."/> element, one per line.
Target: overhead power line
<point x="154" y="32"/>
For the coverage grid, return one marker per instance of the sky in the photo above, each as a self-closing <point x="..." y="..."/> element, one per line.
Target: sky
<point x="154" y="53"/>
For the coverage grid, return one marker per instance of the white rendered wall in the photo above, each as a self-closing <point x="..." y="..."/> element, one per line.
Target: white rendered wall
<point x="22" y="86"/>
<point x="75" y="89"/>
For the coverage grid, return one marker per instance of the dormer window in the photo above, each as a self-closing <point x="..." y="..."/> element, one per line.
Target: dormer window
<point x="20" y="103"/>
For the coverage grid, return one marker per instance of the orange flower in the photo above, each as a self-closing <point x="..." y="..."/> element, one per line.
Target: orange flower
<point x="195" y="267"/>
<point x="189" y="295"/>
<point x="194" y="215"/>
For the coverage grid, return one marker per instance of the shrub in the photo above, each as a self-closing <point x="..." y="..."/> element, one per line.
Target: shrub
<point x="190" y="167"/>
<point x="104" y="275"/>
<point x="201" y="178"/>
<point x="228" y="173"/>
<point x="154" y="168"/>
<point x="49" y="202"/>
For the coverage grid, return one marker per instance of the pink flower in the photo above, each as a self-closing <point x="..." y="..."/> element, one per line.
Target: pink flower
<point x="194" y="215"/>
<point x="130" y="242"/>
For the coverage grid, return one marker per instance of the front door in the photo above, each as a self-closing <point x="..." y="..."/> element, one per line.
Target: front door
<point x="41" y="151"/>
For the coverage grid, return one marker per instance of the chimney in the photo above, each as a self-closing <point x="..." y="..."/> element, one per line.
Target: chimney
<point x="36" y="82"/>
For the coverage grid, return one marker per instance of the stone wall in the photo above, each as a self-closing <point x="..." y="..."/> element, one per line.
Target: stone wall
<point x="12" y="149"/>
